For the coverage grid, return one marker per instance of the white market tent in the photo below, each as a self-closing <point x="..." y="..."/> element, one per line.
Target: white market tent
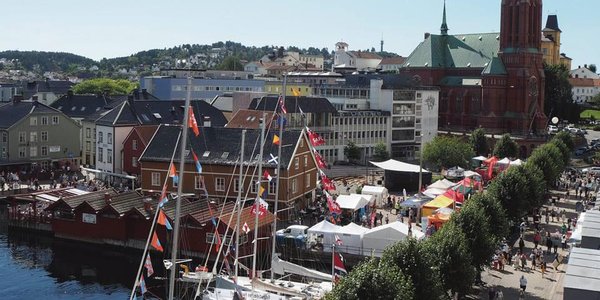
<point x="379" y="192"/>
<point x="481" y="158"/>
<point x="516" y="162"/>
<point x="432" y="192"/>
<point x="375" y="240"/>
<point x="327" y="230"/>
<point x="398" y="166"/>
<point x="351" y="236"/>
<point x="353" y="201"/>
<point x="504" y="161"/>
<point x="442" y="184"/>
<point x="469" y="174"/>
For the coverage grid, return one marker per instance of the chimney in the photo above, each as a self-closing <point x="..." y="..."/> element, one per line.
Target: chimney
<point x="207" y="122"/>
<point x="136" y="94"/>
<point x="34" y="98"/>
<point x="17" y="99"/>
<point x="145" y="94"/>
<point x="107" y="198"/>
<point x="426" y="35"/>
<point x="70" y="94"/>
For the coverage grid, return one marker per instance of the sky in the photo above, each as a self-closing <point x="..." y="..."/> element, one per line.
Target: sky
<point x="115" y="28"/>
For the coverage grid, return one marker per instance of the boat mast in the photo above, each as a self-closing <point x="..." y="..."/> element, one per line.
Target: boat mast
<point x="184" y="127"/>
<point x="239" y="205"/>
<point x="281" y="121"/>
<point x="258" y="195"/>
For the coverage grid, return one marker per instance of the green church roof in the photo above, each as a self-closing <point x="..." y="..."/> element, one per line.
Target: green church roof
<point x="495" y="67"/>
<point x="455" y="51"/>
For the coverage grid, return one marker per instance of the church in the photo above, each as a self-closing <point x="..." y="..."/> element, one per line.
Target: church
<point x="489" y="80"/>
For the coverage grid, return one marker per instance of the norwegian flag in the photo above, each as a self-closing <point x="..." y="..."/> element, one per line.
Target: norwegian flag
<point x="338" y="266"/>
<point x="267" y="176"/>
<point x="320" y="161"/>
<point x="246" y="228"/>
<point x="263" y="207"/>
<point x="338" y="240"/>
<point x="282" y="105"/>
<point x="333" y="206"/>
<point x="328" y="185"/>
<point x="148" y="265"/>
<point x="315" y="138"/>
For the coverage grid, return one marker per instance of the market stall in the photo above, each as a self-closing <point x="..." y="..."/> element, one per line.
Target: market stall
<point x="375" y="240"/>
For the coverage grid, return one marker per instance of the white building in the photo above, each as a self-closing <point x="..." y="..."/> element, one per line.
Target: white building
<point x="358" y="60"/>
<point x="586" y="84"/>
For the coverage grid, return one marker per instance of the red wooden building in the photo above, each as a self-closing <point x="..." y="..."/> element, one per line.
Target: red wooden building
<point x="133" y="147"/>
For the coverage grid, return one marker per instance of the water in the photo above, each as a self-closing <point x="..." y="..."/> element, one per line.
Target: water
<point x="38" y="267"/>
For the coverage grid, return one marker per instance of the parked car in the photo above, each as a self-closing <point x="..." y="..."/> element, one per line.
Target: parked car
<point x="552" y="129"/>
<point x="580" y="151"/>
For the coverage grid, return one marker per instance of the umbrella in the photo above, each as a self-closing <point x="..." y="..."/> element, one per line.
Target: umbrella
<point x="457" y="196"/>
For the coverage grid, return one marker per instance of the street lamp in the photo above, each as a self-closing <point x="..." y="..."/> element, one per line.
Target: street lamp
<point x="420" y="163"/>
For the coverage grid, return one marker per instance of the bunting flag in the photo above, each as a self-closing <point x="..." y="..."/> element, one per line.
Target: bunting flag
<point x="263" y="207"/>
<point x="338" y="266"/>
<point x="163" y="197"/>
<point x="192" y="122"/>
<point x="173" y="173"/>
<point x="320" y="161"/>
<point x="262" y="191"/>
<point x="246" y="228"/>
<point x="148" y="265"/>
<point x="162" y="220"/>
<point x="215" y="225"/>
<point x="197" y="162"/>
<point x="276" y="140"/>
<point x="333" y="206"/>
<point x="156" y="242"/>
<point x="282" y="105"/>
<point x="328" y="185"/>
<point x="338" y="241"/>
<point x="273" y="158"/>
<point x="296" y="93"/>
<point x="143" y="285"/>
<point x="315" y="138"/>
<point x="267" y="176"/>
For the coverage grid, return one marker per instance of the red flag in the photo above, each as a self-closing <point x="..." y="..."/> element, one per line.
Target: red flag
<point x="156" y="243"/>
<point x="162" y="219"/>
<point x="263" y="207"/>
<point x="333" y="206"/>
<point x="192" y="122"/>
<point x="320" y="161"/>
<point x="148" y="265"/>
<point x="282" y="104"/>
<point x="315" y="138"/>
<point x="328" y="185"/>
<point x="338" y="265"/>
<point x="267" y="176"/>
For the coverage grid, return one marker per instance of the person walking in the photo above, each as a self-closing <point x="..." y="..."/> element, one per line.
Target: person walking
<point x="563" y="241"/>
<point x="521" y="244"/>
<point x="523" y="284"/>
<point x="548" y="242"/>
<point x="536" y="239"/>
<point x="543" y="265"/>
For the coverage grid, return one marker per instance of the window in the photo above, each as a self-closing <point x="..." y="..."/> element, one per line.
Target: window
<point x="33" y="121"/>
<point x="22" y="137"/>
<point x="88" y="133"/>
<point x="88" y="146"/>
<point x="199" y="182"/>
<point x="296" y="163"/>
<point x="54" y="120"/>
<point x="33" y="137"/>
<point x="253" y="187"/>
<point x="155" y="179"/>
<point x="109" y="156"/>
<point x="4" y="137"/>
<point x="44" y="136"/>
<point x="33" y="151"/>
<point x="307" y="180"/>
<point x="294" y="186"/>
<point x="134" y="161"/>
<point x="3" y="152"/>
<point x="44" y="120"/>
<point x="100" y="137"/>
<point x="220" y="184"/>
<point x="133" y="144"/>
<point x="44" y="150"/>
<point x="236" y="185"/>
<point x="272" y="188"/>
<point x="306" y="160"/>
<point x="100" y="154"/>
<point x="109" y="138"/>
<point x="22" y="152"/>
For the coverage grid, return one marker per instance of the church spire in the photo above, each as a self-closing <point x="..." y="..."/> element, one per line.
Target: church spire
<point x="444" y="27"/>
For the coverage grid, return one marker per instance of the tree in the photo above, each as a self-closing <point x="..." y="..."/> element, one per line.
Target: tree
<point x="537" y="185"/>
<point x="351" y="151"/>
<point x="473" y="221"/>
<point x="592" y="67"/>
<point x="506" y="147"/>
<point x="510" y="188"/>
<point x="549" y="160"/>
<point x="450" y="255"/>
<point x="495" y="213"/>
<point x="564" y="150"/>
<point x="558" y="100"/>
<point x="105" y="85"/>
<point x="413" y="260"/>
<point x="478" y="142"/>
<point x="373" y="279"/>
<point x="231" y="63"/>
<point x="566" y="138"/>
<point x="380" y="152"/>
<point x="446" y="152"/>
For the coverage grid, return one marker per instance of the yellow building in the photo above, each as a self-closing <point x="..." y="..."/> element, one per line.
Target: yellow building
<point x="551" y="43"/>
<point x="292" y="89"/>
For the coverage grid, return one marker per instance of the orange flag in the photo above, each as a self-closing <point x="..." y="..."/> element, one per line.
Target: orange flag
<point x="156" y="242"/>
<point x="276" y="139"/>
<point x="192" y="122"/>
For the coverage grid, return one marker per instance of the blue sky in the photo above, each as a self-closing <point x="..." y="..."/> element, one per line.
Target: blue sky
<point x="111" y="28"/>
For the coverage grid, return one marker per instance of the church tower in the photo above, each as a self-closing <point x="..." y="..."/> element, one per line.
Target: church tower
<point x="520" y="52"/>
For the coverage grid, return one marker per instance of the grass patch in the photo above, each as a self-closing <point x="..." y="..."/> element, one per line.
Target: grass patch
<point x="588" y="113"/>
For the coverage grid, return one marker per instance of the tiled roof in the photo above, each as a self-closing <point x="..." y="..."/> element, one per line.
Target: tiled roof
<point x="219" y="146"/>
<point x="250" y="119"/>
<point x="455" y="51"/>
<point x="365" y="55"/>
<point x="397" y="60"/>
<point x="552" y="23"/>
<point x="73" y="202"/>
<point x="13" y="112"/>
<point x="294" y="104"/>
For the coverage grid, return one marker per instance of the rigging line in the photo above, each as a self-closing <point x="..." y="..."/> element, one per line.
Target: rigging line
<point x="137" y="277"/>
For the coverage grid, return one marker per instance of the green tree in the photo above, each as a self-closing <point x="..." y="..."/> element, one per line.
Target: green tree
<point x="592" y="67"/>
<point x="506" y="147"/>
<point x="566" y="138"/>
<point x="450" y="255"/>
<point x="473" y="221"/>
<point x="495" y="213"/>
<point x="231" y="63"/>
<point x="351" y="151"/>
<point x="558" y="100"/>
<point x="446" y="152"/>
<point x="413" y="260"/>
<point x="102" y="85"/>
<point x="373" y="279"/>
<point x="510" y="188"/>
<point x="537" y="185"/>
<point x="479" y="142"/>
<point x="549" y="159"/>
<point x="564" y="150"/>
<point x="380" y="152"/>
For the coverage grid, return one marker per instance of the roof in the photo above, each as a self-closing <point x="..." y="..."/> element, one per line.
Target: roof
<point x="145" y="132"/>
<point x="80" y="106"/>
<point x="59" y="87"/>
<point x="455" y="51"/>
<point x="552" y="23"/>
<point x="294" y="104"/>
<point x="398" y="166"/>
<point x="495" y="67"/>
<point x="365" y="55"/>
<point x="397" y="60"/>
<point x="13" y="112"/>
<point x="151" y="112"/>
<point x="583" y="270"/>
<point x="250" y="119"/>
<point x="219" y="146"/>
<point x="73" y="202"/>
